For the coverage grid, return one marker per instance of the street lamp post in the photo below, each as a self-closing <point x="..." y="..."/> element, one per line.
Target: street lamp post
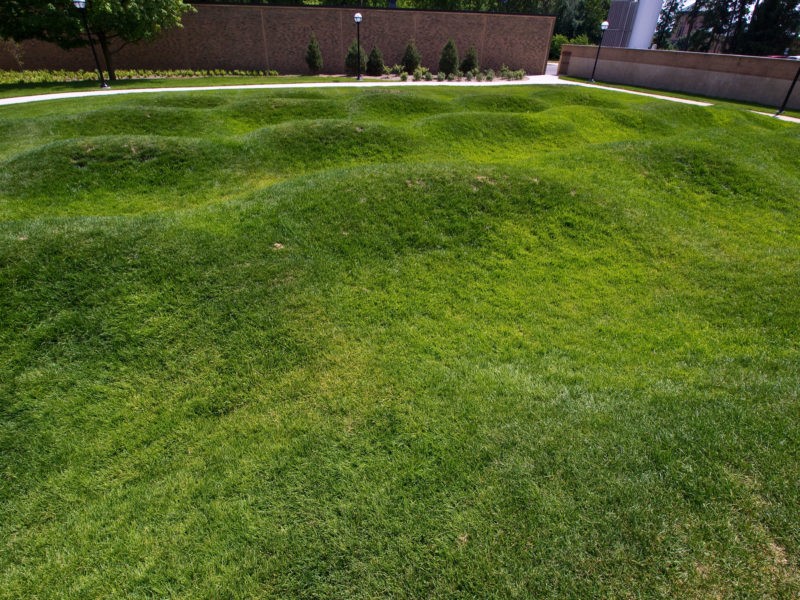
<point x="81" y="6"/>
<point x="789" y="93"/>
<point x="357" y="18"/>
<point x="603" y="27"/>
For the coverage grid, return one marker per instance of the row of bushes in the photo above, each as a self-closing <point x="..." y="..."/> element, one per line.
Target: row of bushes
<point x="62" y="76"/>
<point x="450" y="67"/>
<point x="559" y="40"/>
<point x="423" y="73"/>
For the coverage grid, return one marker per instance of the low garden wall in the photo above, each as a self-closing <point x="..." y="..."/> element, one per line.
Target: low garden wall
<point x="258" y="37"/>
<point x="745" y="78"/>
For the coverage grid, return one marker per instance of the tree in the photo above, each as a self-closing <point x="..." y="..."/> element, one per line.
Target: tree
<point x="375" y="62"/>
<point x="314" y="55"/>
<point x="772" y="29"/>
<point x="556" y="43"/>
<point x="117" y="22"/>
<point x="354" y="56"/>
<point x="666" y="23"/>
<point x="411" y="58"/>
<point x="448" y="62"/>
<point x="470" y="62"/>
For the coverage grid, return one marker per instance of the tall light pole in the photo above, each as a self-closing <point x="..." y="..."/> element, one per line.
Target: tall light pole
<point x="789" y="93"/>
<point x="603" y="27"/>
<point x="794" y="82"/>
<point x="81" y="6"/>
<point x="357" y="18"/>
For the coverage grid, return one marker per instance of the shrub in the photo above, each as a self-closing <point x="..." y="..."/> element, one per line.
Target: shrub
<point x="489" y="74"/>
<point x="411" y="58"/>
<point x="314" y="55"/>
<point x="420" y="73"/>
<point x="375" y="66"/>
<point x="555" y="45"/>
<point x="353" y="58"/>
<point x="451" y="77"/>
<point x="470" y="62"/>
<point x="479" y="76"/>
<point x="468" y="75"/>
<point x="397" y="69"/>
<point x="403" y="76"/>
<point x="580" y="40"/>
<point x="506" y="73"/>
<point x="440" y="76"/>
<point x="428" y="75"/>
<point x="448" y="62"/>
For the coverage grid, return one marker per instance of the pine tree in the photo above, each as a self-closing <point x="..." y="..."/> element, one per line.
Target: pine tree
<point x="352" y="59"/>
<point x="375" y="62"/>
<point x="314" y="55"/>
<point x="666" y="23"/>
<point x="772" y="28"/>
<point x="470" y="62"/>
<point x="448" y="62"/>
<point x="411" y="58"/>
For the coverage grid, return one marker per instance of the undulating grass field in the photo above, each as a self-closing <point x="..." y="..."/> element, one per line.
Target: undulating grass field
<point x="519" y="342"/>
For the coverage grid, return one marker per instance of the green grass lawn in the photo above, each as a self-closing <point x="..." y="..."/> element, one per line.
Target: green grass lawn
<point x="520" y="342"/>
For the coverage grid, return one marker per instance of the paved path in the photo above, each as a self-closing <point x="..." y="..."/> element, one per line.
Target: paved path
<point x="779" y="117"/>
<point x="531" y="80"/>
<point x="549" y="79"/>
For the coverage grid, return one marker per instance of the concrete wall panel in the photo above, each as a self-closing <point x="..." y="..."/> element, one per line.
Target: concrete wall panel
<point x="745" y="78"/>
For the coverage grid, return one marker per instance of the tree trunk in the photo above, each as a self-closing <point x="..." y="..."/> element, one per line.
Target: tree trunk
<point x="112" y="75"/>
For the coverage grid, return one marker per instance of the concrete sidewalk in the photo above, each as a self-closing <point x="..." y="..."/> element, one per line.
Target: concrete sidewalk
<point x="530" y="80"/>
<point x="550" y="78"/>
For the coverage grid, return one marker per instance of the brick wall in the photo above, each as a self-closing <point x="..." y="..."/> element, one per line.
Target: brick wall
<point x="274" y="37"/>
<point x="746" y="78"/>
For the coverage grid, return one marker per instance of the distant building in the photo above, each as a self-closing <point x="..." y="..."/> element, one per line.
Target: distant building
<point x="687" y="22"/>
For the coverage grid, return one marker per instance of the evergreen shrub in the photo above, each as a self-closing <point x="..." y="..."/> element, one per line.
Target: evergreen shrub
<point x="470" y="62"/>
<point x="352" y="59"/>
<point x="411" y="58"/>
<point x="448" y="62"/>
<point x="375" y="66"/>
<point x="314" y="55"/>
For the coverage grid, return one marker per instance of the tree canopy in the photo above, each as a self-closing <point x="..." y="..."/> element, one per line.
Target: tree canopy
<point x="760" y="27"/>
<point x="59" y="22"/>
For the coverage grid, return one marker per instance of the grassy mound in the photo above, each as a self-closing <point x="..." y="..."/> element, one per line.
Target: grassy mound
<point x="353" y="344"/>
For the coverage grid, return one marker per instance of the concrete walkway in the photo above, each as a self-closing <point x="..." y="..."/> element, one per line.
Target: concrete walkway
<point x="549" y="79"/>
<point x="779" y="117"/>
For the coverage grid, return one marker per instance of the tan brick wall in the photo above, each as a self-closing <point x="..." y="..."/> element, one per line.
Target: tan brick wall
<point x="272" y="37"/>
<point x="745" y="78"/>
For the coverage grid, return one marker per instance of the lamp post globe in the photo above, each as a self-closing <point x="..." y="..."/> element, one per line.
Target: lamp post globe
<point x="603" y="27"/>
<point x="81" y="6"/>
<point x="357" y="18"/>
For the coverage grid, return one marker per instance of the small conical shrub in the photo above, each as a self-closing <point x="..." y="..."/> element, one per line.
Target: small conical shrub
<point x="352" y="59"/>
<point x="375" y="62"/>
<point x="470" y="62"/>
<point x="314" y="55"/>
<point x="411" y="58"/>
<point x="448" y="62"/>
